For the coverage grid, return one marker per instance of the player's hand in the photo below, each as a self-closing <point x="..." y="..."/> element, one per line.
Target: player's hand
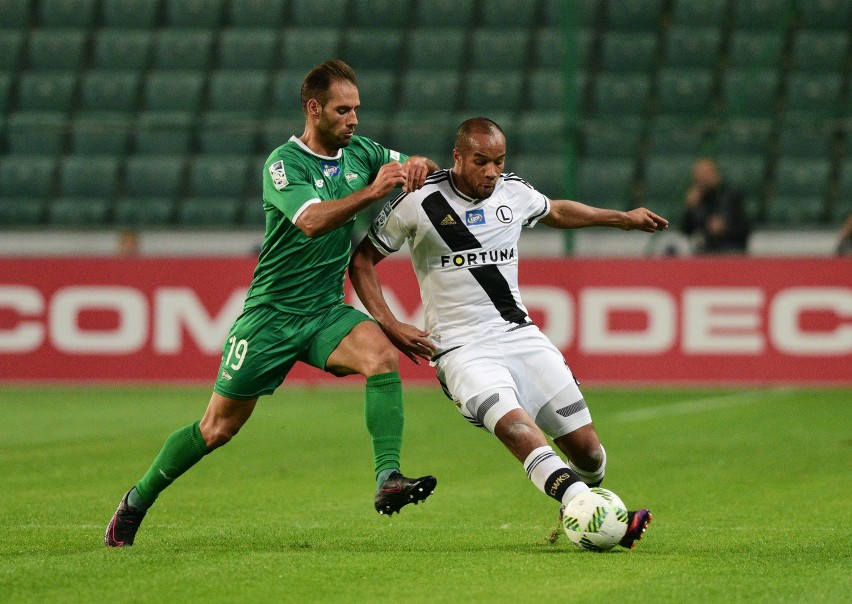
<point x="390" y="176"/>
<point x="410" y="340"/>
<point x="417" y="169"/>
<point x="643" y="219"/>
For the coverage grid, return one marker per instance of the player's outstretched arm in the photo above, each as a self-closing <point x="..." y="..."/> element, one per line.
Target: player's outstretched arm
<point x="411" y="341"/>
<point x="567" y="214"/>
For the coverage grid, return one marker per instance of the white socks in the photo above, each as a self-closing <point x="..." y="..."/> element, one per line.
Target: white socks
<point x="549" y="473"/>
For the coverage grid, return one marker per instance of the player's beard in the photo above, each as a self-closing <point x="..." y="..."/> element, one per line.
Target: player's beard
<point x="334" y="136"/>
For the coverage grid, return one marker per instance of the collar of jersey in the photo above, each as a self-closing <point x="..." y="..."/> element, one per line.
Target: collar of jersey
<point x="475" y="201"/>
<point x="307" y="149"/>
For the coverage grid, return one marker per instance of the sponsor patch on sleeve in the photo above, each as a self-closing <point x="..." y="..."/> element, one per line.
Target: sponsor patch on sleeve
<point x="383" y="216"/>
<point x="394" y="155"/>
<point x="279" y="177"/>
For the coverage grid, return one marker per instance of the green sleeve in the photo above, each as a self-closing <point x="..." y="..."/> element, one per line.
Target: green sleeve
<point x="286" y="186"/>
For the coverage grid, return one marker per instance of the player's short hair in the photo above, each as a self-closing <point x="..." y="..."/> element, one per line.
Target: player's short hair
<point x="319" y="80"/>
<point x="475" y="125"/>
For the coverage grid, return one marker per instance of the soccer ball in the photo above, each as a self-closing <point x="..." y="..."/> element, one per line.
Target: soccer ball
<point x="595" y="520"/>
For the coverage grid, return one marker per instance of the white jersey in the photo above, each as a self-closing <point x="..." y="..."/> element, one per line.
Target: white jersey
<point x="465" y="253"/>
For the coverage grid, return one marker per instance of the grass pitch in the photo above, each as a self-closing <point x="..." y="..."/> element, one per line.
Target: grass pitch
<point x="750" y="491"/>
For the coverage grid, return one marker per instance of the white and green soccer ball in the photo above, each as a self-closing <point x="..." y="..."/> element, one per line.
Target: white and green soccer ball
<point x="595" y="519"/>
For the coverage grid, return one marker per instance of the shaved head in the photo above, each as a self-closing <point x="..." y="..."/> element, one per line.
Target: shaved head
<point x="466" y="133"/>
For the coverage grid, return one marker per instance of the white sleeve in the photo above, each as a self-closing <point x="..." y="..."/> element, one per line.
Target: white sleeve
<point x="537" y="206"/>
<point x="390" y="228"/>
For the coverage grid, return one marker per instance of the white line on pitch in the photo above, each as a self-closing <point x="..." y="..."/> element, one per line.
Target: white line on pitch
<point x="704" y="404"/>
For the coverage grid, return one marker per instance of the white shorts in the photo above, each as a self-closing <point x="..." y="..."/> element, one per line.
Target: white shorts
<point x="523" y="360"/>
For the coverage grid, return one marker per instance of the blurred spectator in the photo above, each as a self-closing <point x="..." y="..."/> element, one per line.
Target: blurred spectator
<point x="715" y="216"/>
<point x="128" y="244"/>
<point x="844" y="243"/>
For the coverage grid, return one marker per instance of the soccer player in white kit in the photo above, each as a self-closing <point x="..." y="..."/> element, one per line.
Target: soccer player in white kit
<point x="462" y="228"/>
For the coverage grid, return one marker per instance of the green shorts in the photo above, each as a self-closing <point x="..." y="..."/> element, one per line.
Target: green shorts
<point x="265" y="343"/>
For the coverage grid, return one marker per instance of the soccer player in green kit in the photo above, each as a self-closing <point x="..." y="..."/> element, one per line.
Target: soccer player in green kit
<point x="313" y="186"/>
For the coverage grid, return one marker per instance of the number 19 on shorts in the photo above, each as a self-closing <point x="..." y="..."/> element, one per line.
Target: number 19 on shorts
<point x="237" y="351"/>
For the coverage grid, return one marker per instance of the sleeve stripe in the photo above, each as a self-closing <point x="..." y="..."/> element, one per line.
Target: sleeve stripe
<point x="304" y="207"/>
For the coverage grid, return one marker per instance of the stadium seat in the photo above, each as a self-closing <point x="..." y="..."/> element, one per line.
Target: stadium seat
<point x="672" y="135"/>
<point x="27" y="176"/>
<point x="845" y="183"/>
<point x="693" y="47"/>
<point x="743" y="136"/>
<point x="205" y="212"/>
<point x="144" y="212"/>
<point x="78" y="211"/>
<point x="805" y="138"/>
<point x="277" y="131"/>
<point x="238" y="92"/>
<point x="756" y="49"/>
<point x="628" y="51"/>
<point x="621" y="94"/>
<point x="745" y="172"/>
<point x="539" y="132"/>
<point x="101" y="135"/>
<point x="171" y="91"/>
<point x="437" y="48"/>
<point x="307" y="13"/>
<point x="182" y="50"/>
<point x="47" y="91"/>
<point x="546" y="90"/>
<point x="226" y="134"/>
<point x="546" y="173"/>
<point x="373" y="49"/>
<point x="87" y="176"/>
<point x="706" y="13"/>
<point x="367" y="14"/>
<point x="130" y="14"/>
<point x="22" y="211"/>
<point x="122" y="50"/>
<point x="554" y="13"/>
<point x="770" y="15"/>
<point x="605" y="182"/>
<point x="286" y="87"/>
<point x="11" y="50"/>
<point x="37" y="133"/>
<point x="444" y="13"/>
<point x="820" y="51"/>
<point x="498" y="49"/>
<point x="16" y="14"/>
<point x="205" y="14"/>
<point x="218" y="176"/>
<point x="155" y="176"/>
<point x="667" y="178"/>
<point x="78" y="14"/>
<point x="634" y="15"/>
<point x="502" y="14"/>
<point x="303" y="48"/>
<point x="375" y="88"/>
<point x="158" y="133"/>
<point x="551" y="52"/>
<point x="110" y="91"/>
<point x="801" y="177"/>
<point x="253" y="214"/>
<point x="750" y="93"/>
<point x="256" y="13"/>
<point x="252" y="49"/>
<point x="55" y="50"/>
<point x="685" y="92"/>
<point x="5" y="92"/>
<point x="795" y="212"/>
<point x="610" y="139"/>
<point x="430" y="90"/>
<point x="814" y="95"/>
<point x="488" y="91"/>
<point x="424" y="133"/>
<point x="826" y="14"/>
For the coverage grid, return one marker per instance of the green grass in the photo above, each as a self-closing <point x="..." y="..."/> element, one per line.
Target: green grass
<point x="750" y="491"/>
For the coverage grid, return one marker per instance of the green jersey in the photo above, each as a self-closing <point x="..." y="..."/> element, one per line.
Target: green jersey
<point x="295" y="273"/>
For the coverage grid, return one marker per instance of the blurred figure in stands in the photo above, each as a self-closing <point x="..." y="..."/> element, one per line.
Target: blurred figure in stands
<point x="715" y="216"/>
<point x="128" y="244"/>
<point x="844" y="243"/>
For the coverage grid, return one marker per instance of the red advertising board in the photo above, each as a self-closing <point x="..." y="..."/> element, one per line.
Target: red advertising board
<point x="618" y="321"/>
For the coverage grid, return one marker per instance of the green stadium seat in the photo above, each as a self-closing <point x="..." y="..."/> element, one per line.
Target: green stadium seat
<point x="801" y="177"/>
<point x="539" y="132"/>
<point x="423" y="133"/>
<point x="206" y="212"/>
<point x="286" y="90"/>
<point x="437" y="48"/>
<point x="256" y="13"/>
<point x="22" y="211"/>
<point x="16" y="14"/>
<point x="487" y="91"/>
<point x="37" y="133"/>
<point x="182" y="49"/>
<point x="171" y="91"/>
<point x="705" y="13"/>
<point x="845" y="181"/>
<point x="744" y="136"/>
<point x="122" y="49"/>
<point x="253" y="214"/>
<point x="227" y="134"/>
<point x="634" y="14"/>
<point x="252" y="49"/>
<point x="554" y="13"/>
<point x="11" y="49"/>
<point x="5" y="92"/>
<point x="502" y="14"/>
<point x="820" y="51"/>
<point x="498" y="49"/>
<point x="610" y="138"/>
<point x="110" y="91"/>
<point x="672" y="135"/>
<point x="628" y="51"/>
<point x="47" y="91"/>
<point x="130" y="14"/>
<point x="304" y="48"/>
<point x="756" y="49"/>
<point x="774" y="15"/>
<point x="373" y="49"/>
<point x="444" y="13"/>
<point x="218" y="176"/>
<point x="551" y="48"/>
<point x="826" y="14"/>
<point x="667" y="177"/>
<point x="28" y="176"/>
<point x="78" y="211"/>
<point x="808" y="138"/>
<point x="144" y="212"/>
<point x="101" y="135"/>
<point x="795" y="212"/>
<point x="750" y="93"/>
<point x="546" y="90"/>
<point x="814" y="95"/>
<point x="205" y="14"/>
<point x="154" y="176"/>
<point x="368" y="14"/>
<point x="158" y="133"/>
<point x="623" y="94"/>
<point x="693" y="47"/>
<point x="54" y="50"/>
<point x="88" y="176"/>
<point x="306" y="13"/>
<point x="238" y="92"/>
<point x="541" y="172"/>
<point x="745" y="172"/>
<point x="277" y="131"/>
<point x="604" y="182"/>
<point x="429" y="90"/>
<point x="685" y="92"/>
<point x="376" y="88"/>
<point x="66" y="13"/>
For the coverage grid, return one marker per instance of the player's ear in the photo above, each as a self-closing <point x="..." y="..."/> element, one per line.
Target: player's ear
<point x="314" y="108"/>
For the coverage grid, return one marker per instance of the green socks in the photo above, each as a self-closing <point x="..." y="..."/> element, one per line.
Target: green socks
<point x="383" y="412"/>
<point x="182" y="450"/>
